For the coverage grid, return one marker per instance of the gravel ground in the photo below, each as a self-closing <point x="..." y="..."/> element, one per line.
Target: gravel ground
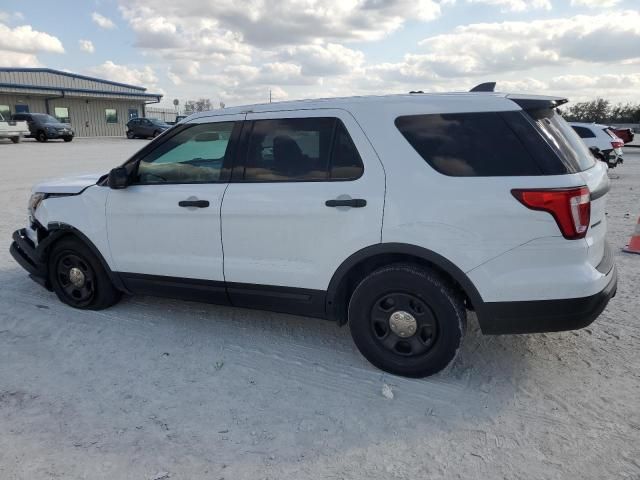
<point x="154" y="389"/>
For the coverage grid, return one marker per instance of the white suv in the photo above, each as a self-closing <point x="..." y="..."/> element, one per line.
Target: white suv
<point x="601" y="138"/>
<point x="394" y="214"/>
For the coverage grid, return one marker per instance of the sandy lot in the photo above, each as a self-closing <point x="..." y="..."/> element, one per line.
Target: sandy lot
<point x="161" y="389"/>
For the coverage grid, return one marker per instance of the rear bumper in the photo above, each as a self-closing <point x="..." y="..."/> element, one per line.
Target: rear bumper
<point x="546" y="315"/>
<point x="24" y="252"/>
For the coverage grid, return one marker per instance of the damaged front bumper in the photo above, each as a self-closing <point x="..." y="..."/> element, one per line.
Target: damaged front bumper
<point x="26" y="254"/>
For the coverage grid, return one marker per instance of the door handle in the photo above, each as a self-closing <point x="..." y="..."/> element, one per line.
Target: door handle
<point x="351" y="202"/>
<point x="194" y="203"/>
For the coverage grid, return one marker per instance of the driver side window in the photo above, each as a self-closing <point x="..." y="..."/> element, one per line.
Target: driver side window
<point x="195" y="155"/>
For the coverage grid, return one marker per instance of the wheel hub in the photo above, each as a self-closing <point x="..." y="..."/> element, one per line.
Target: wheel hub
<point x="76" y="277"/>
<point x="403" y="324"/>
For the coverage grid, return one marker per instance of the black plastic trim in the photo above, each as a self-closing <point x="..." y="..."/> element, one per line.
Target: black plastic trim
<point x="546" y="315"/>
<point x="607" y="262"/>
<point x="191" y="289"/>
<point x="295" y="301"/>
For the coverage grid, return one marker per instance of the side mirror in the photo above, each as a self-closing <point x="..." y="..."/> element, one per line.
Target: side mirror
<point x="118" y="178"/>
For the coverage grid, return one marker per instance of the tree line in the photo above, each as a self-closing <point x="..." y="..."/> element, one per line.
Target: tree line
<point x="601" y="110"/>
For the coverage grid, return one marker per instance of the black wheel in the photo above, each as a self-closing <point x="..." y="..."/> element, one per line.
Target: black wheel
<point x="67" y="139"/>
<point x="156" y="133"/>
<point x="16" y="139"/>
<point x="41" y="136"/>
<point x="407" y="320"/>
<point x="130" y="134"/>
<point x="78" y="278"/>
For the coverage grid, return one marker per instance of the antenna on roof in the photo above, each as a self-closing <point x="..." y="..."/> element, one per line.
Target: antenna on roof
<point x="484" y="87"/>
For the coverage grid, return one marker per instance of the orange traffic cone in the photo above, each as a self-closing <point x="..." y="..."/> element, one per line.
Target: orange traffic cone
<point x="634" y="243"/>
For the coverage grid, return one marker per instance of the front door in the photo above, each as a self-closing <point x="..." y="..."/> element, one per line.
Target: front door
<point x="164" y="229"/>
<point x="309" y="194"/>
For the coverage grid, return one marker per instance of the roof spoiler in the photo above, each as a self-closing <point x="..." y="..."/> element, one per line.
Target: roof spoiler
<point x="537" y="103"/>
<point x="484" y="87"/>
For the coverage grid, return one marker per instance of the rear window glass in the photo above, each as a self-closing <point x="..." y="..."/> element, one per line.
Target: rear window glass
<point x="583" y="132"/>
<point x="562" y="138"/>
<point x="468" y="144"/>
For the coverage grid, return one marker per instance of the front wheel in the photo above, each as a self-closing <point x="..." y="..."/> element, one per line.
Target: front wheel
<point x="156" y="133"/>
<point x="407" y="320"/>
<point x="67" y="139"/>
<point x="78" y="278"/>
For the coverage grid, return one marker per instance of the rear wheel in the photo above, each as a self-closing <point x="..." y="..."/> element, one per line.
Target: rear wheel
<point x="41" y="136"/>
<point x="78" y="278"/>
<point x="16" y="139"/>
<point x="407" y="320"/>
<point x="130" y="134"/>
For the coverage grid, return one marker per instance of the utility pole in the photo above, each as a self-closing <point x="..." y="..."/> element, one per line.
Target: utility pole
<point x="269" y="95"/>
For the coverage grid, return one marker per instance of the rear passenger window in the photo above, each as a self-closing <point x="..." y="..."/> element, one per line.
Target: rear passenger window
<point x="584" y="132"/>
<point x="346" y="163"/>
<point x="468" y="144"/>
<point x="301" y="149"/>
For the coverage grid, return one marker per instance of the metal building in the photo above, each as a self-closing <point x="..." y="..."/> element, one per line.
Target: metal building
<point x="93" y="107"/>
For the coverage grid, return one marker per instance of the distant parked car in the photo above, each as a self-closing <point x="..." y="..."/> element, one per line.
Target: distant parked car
<point x="146" y="127"/>
<point x="625" y="134"/>
<point x="600" y="137"/>
<point x="43" y="127"/>
<point x="12" y="129"/>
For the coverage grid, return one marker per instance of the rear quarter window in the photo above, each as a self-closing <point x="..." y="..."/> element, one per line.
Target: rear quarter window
<point x="478" y="144"/>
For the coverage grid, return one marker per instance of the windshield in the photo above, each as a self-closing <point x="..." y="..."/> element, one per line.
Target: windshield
<point x="157" y="121"/>
<point x="563" y="139"/>
<point x="42" y="118"/>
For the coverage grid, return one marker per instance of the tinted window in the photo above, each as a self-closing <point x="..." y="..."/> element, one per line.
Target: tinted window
<point x="562" y="138"/>
<point x="468" y="144"/>
<point x="44" y="118"/>
<point x="292" y="149"/>
<point x="346" y="163"/>
<point x="584" y="132"/>
<point x="5" y="111"/>
<point x="193" y="155"/>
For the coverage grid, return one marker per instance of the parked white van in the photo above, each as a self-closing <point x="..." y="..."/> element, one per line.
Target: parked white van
<point x="392" y="214"/>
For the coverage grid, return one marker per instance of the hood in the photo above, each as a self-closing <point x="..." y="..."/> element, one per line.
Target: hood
<point x="72" y="185"/>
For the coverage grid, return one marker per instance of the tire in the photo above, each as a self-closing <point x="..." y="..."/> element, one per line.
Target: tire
<point x="41" y="137"/>
<point x="155" y="133"/>
<point x="16" y="139"/>
<point x="420" y="344"/>
<point x="130" y="135"/>
<point x="93" y="289"/>
<point x="67" y="139"/>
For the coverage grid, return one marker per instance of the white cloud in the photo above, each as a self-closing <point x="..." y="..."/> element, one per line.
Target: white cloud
<point x="16" y="59"/>
<point x="511" y="46"/>
<point x="595" y="3"/>
<point x="102" y="21"/>
<point x="143" y="76"/>
<point x="86" y="46"/>
<point x="27" y="40"/>
<point x="517" y="5"/>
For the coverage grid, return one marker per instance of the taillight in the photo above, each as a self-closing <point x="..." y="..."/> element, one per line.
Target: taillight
<point x="571" y="207"/>
<point x="617" y="144"/>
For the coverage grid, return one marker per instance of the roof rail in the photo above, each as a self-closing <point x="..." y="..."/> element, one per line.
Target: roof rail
<point x="484" y="87"/>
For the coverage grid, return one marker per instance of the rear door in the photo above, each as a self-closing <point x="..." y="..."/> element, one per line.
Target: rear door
<point x="307" y="194"/>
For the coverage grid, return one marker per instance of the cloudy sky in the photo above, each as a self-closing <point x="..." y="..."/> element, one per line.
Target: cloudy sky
<point x="237" y="50"/>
